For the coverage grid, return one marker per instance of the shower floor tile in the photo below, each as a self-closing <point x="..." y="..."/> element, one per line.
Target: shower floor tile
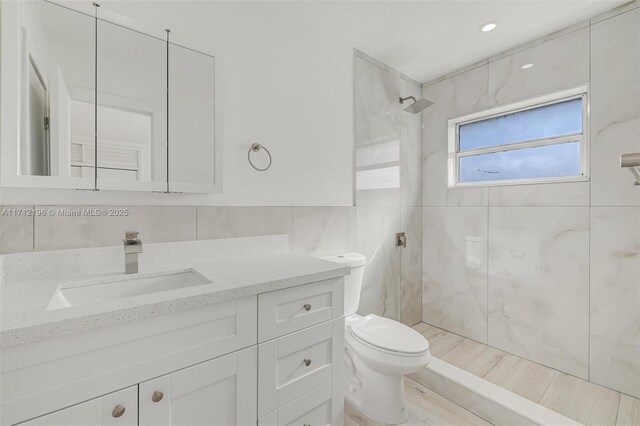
<point x="580" y="400"/>
<point x="586" y="402"/>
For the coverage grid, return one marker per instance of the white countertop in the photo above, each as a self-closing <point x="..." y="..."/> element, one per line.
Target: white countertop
<point x="24" y="316"/>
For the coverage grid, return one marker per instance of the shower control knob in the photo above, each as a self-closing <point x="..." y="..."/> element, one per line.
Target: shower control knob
<point x="307" y="362"/>
<point x="157" y="396"/>
<point x="307" y="307"/>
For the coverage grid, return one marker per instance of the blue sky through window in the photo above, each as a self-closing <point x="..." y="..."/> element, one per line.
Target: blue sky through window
<point x="559" y="119"/>
<point x="535" y="162"/>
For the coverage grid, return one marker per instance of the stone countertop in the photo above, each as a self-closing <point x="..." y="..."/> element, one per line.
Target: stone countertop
<point x="24" y="317"/>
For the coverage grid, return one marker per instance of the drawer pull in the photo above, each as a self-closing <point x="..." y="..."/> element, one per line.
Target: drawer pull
<point x="118" y="411"/>
<point x="307" y="362"/>
<point x="157" y="396"/>
<point x="307" y="307"/>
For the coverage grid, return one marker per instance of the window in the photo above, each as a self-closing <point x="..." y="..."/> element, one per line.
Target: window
<point x="535" y="141"/>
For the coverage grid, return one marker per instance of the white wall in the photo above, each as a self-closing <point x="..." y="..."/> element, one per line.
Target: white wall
<point x="284" y="86"/>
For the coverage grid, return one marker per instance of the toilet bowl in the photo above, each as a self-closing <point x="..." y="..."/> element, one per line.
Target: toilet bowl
<point x="378" y="353"/>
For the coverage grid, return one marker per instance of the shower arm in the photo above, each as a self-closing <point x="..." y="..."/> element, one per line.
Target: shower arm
<point x="632" y="162"/>
<point x="408" y="97"/>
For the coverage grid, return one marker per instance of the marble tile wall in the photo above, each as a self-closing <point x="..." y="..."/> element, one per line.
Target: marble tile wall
<point x="454" y="294"/>
<point x="615" y="107"/>
<point x="316" y="231"/>
<point x="538" y="295"/>
<point x="615" y="296"/>
<point x="389" y="144"/>
<point x="16" y="230"/>
<point x="560" y="282"/>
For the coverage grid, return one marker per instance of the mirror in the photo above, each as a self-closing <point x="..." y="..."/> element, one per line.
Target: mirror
<point x="191" y="120"/>
<point x="57" y="84"/>
<point x="125" y="111"/>
<point x="132" y="109"/>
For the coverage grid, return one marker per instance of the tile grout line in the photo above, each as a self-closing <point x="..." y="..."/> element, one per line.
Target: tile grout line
<point x="457" y="405"/>
<point x="555" y="373"/>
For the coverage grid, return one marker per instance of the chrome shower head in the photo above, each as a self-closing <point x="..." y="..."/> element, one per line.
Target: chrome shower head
<point x="417" y="105"/>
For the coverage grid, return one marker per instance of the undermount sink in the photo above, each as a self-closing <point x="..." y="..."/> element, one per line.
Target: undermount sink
<point x="120" y="288"/>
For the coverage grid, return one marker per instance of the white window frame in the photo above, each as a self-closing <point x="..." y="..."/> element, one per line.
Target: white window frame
<point x="453" y="136"/>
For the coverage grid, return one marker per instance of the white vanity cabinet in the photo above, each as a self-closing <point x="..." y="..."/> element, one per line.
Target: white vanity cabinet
<point x="199" y="366"/>
<point x="221" y="391"/>
<point x="301" y="355"/>
<point x="119" y="408"/>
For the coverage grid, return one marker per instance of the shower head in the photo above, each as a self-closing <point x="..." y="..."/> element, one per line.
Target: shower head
<point x="417" y="105"/>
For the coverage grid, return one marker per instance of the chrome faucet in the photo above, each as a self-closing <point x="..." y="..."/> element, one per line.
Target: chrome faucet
<point x="132" y="246"/>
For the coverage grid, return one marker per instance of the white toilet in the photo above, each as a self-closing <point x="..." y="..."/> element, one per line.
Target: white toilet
<point x="378" y="353"/>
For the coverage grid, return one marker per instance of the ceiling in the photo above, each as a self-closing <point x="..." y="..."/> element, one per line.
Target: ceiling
<point x="426" y="39"/>
<point x="422" y="39"/>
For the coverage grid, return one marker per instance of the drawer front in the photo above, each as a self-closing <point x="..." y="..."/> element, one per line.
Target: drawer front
<point x="298" y="363"/>
<point x="101" y="411"/>
<point x="285" y="311"/>
<point x="323" y="406"/>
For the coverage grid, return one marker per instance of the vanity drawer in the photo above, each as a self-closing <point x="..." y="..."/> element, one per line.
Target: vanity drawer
<point x="285" y="311"/>
<point x="298" y="363"/>
<point x="323" y="406"/>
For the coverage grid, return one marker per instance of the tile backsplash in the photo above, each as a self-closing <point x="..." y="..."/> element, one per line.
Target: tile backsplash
<point x="318" y="230"/>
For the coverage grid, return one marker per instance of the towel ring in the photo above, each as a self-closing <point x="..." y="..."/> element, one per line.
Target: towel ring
<point x="255" y="148"/>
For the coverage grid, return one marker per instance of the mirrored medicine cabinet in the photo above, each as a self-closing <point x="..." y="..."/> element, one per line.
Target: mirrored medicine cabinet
<point x="90" y="103"/>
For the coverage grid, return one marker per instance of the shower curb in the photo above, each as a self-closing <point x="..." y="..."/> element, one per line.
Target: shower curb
<point x="485" y="399"/>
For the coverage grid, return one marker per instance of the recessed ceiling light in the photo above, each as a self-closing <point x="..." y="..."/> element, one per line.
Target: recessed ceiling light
<point x="527" y="66"/>
<point x="489" y="26"/>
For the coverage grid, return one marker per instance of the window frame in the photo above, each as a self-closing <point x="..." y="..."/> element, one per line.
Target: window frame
<point x="453" y="136"/>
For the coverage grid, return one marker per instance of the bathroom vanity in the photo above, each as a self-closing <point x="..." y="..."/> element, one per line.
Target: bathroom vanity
<point x="257" y="338"/>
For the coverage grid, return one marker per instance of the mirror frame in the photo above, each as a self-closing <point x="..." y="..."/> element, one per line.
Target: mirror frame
<point x="11" y="105"/>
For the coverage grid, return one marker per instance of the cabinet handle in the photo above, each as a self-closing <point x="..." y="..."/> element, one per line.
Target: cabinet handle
<point x="157" y="396"/>
<point x="118" y="411"/>
<point x="307" y="362"/>
<point x="307" y="307"/>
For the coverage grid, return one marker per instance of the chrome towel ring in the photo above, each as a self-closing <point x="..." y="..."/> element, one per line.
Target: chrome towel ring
<point x="255" y="148"/>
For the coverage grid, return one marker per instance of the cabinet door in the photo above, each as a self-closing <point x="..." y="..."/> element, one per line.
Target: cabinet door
<point x="115" y="409"/>
<point x="222" y="391"/>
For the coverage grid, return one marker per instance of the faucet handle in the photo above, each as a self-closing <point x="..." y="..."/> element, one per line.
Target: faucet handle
<point x="131" y="235"/>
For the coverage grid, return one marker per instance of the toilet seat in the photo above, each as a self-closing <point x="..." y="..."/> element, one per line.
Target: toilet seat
<point x="386" y="335"/>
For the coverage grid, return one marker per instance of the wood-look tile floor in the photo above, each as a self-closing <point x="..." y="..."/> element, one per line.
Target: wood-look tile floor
<point x="425" y="408"/>
<point x="586" y="402"/>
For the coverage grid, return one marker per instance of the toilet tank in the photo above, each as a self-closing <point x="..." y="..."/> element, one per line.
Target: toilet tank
<point x="352" y="282"/>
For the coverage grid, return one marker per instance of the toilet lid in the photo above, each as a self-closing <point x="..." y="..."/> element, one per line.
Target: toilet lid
<point x="388" y="334"/>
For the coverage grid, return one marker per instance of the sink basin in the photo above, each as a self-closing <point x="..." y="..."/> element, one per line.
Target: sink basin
<point x="120" y="288"/>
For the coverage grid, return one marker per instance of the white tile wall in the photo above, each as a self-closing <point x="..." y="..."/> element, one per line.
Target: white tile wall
<point x="376" y="228"/>
<point x="615" y="298"/>
<point x="539" y="285"/>
<point x="562" y="258"/>
<point x="615" y="108"/>
<point x="454" y="284"/>
<point x="322" y="231"/>
<point x="16" y="229"/>
<point x="155" y="224"/>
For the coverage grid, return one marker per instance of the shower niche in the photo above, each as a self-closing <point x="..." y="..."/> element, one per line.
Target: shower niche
<point x="95" y="103"/>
